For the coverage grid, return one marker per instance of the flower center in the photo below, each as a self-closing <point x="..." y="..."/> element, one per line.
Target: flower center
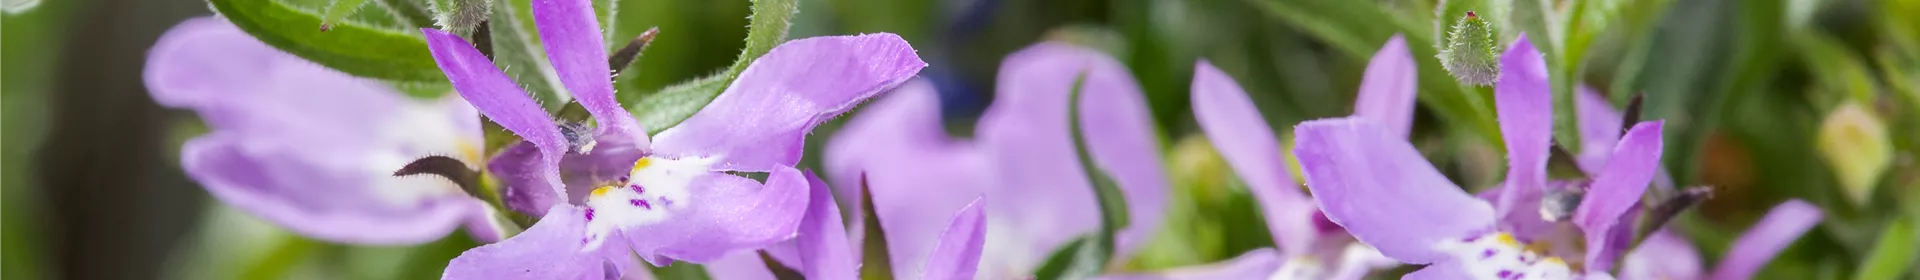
<point x="1500" y="256"/>
<point x="648" y="194"/>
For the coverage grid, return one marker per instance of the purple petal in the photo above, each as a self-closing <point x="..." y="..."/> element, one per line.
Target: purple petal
<point x="957" y="255"/>
<point x="1388" y="88"/>
<point x="1524" y="100"/>
<point x="1599" y="128"/>
<point x="1378" y="186"/>
<point x="306" y="147"/>
<point x="913" y="169"/>
<point x="761" y="119"/>
<point x="501" y="100"/>
<point x="574" y="45"/>
<point x="726" y="213"/>
<point x="1121" y="139"/>
<point x="1618" y="188"/>
<point x="1782" y="225"/>
<point x="551" y="249"/>
<point x="822" y="242"/>
<point x="1525" y="225"/>
<point x="742" y="265"/>
<point x="522" y="170"/>
<point x="1257" y="264"/>
<point x="611" y="158"/>
<point x="1234" y="125"/>
<point x="1039" y="196"/>
<point x="1662" y="255"/>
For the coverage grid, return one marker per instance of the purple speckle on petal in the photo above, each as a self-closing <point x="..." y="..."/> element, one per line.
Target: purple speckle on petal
<point x="664" y="200"/>
<point x="1488" y="254"/>
<point x="589" y="214"/>
<point x="637" y="188"/>
<point x="641" y="203"/>
<point x="1506" y="274"/>
<point x="623" y="178"/>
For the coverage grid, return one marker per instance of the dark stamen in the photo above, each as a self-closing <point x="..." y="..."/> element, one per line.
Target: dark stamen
<point x="445" y="167"/>
<point x="1665" y="210"/>
<point x="627" y="54"/>
<point x="579" y="136"/>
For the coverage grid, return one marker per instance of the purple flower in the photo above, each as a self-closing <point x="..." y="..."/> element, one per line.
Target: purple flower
<point x="1665" y="255"/>
<point x="822" y="250"/>
<point x="1022" y="159"/>
<point x="312" y="149"/>
<point x="670" y="198"/>
<point x="1385" y="194"/>
<point x="1308" y="250"/>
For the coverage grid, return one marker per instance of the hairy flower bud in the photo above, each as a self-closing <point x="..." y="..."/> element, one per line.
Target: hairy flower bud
<point x="1471" y="52"/>
<point x="460" y="16"/>
<point x="1855" y="144"/>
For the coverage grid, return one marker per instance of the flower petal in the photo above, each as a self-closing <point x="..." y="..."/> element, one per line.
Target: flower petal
<point x="571" y="34"/>
<point x="1234" y="125"/>
<point x="1782" y="225"/>
<point x="822" y="239"/>
<point x="309" y="148"/>
<point x="957" y="255"/>
<point x="551" y="249"/>
<point x="899" y="146"/>
<point x="1388" y="88"/>
<point x="502" y="101"/>
<point x="1662" y="255"/>
<point x="1599" y="128"/>
<point x="1378" y="186"/>
<point x="1617" y="189"/>
<point x="726" y="213"/>
<point x="1040" y="196"/>
<point x="761" y="119"/>
<point x="1524" y="99"/>
<point x="1256" y="264"/>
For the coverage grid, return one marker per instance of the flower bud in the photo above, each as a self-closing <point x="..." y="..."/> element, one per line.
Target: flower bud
<point x="1471" y="52"/>
<point x="1855" y="145"/>
<point x="460" y="16"/>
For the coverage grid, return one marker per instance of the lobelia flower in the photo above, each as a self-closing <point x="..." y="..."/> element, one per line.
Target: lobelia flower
<point x="311" y="149"/>
<point x="670" y="197"/>
<point x="822" y="249"/>
<point x="1666" y="255"/>
<point x="1310" y="247"/>
<point x="1022" y="158"/>
<point x="1386" y="195"/>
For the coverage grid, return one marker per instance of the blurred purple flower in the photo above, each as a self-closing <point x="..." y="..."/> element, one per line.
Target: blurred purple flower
<point x="1388" y="196"/>
<point x="669" y="199"/>
<point x="1665" y="255"/>
<point x="1022" y="159"/>
<point x="312" y="149"/>
<point x="822" y="249"/>
<point x="1309" y="250"/>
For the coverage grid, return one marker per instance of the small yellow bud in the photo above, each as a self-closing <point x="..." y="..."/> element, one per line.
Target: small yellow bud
<point x="1855" y="145"/>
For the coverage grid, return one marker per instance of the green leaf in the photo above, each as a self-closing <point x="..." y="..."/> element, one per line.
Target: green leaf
<point x="516" y="48"/>
<point x="780" y="271"/>
<point x="673" y="104"/>
<point x="1894" y="254"/>
<point x="1079" y="259"/>
<point x="359" y="50"/>
<point x="339" y="9"/>
<point x="771" y="19"/>
<point x="681" y="271"/>
<point x="666" y="108"/>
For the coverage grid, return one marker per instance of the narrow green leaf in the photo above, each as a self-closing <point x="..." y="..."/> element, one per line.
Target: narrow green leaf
<point x="1078" y="259"/>
<point x="358" y="50"/>
<point x="1113" y="204"/>
<point x="339" y="9"/>
<point x="516" y="48"/>
<point x="666" y="108"/>
<point x="1894" y="254"/>
<point x="771" y="19"/>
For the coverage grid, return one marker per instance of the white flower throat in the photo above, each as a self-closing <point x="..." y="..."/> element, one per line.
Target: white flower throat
<point x="1499" y="256"/>
<point x="653" y="190"/>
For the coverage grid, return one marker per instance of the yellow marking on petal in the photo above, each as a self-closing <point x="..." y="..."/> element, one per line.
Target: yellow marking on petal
<point x="1556" y="261"/>
<point x="602" y="191"/>
<point x="468" y="151"/>
<point x="642" y="163"/>
<point x="1506" y="239"/>
<point x="1539" y="247"/>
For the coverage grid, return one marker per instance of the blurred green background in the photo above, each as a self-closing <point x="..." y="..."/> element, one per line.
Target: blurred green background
<point x="92" y="188"/>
